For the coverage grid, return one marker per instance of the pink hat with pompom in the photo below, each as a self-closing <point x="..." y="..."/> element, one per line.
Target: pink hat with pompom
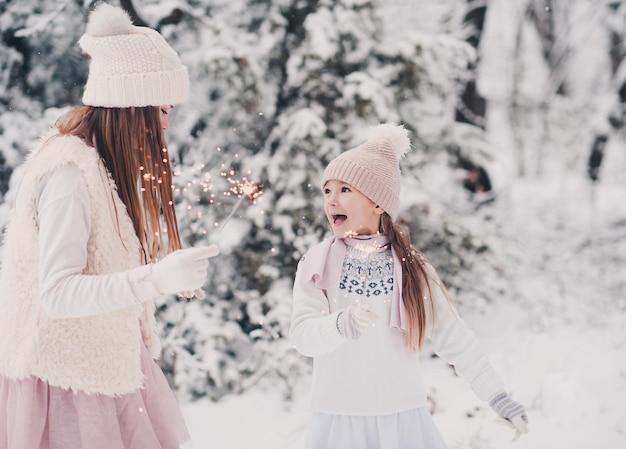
<point x="130" y="65"/>
<point x="373" y="167"/>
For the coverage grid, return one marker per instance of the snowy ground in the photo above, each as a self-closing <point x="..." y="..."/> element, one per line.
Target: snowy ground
<point x="571" y="378"/>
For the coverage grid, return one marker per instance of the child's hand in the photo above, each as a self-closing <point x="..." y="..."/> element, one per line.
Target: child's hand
<point x="513" y="413"/>
<point x="354" y="320"/>
<point x="517" y="425"/>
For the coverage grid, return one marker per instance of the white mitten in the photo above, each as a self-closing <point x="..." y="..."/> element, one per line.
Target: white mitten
<point x="513" y="412"/>
<point x="183" y="271"/>
<point x="353" y="320"/>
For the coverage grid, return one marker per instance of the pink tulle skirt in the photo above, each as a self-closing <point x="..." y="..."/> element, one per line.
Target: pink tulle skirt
<point x="34" y="415"/>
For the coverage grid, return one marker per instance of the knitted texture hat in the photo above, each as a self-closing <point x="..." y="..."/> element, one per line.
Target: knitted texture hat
<point x="373" y="167"/>
<point x="130" y="65"/>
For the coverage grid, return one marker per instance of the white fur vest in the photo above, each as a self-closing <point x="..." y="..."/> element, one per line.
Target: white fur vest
<point x="98" y="354"/>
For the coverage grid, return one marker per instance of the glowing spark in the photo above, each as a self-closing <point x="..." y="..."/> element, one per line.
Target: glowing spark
<point x="243" y="189"/>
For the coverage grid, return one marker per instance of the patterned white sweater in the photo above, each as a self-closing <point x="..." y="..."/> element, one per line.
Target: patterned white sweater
<point x="376" y="374"/>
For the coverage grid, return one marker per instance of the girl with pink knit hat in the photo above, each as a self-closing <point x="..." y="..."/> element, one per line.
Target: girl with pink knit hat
<point x="85" y="255"/>
<point x="364" y="301"/>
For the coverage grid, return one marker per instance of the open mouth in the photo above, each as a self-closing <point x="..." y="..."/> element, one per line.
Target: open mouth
<point x="339" y="219"/>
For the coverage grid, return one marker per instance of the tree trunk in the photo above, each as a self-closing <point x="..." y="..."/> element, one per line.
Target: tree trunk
<point x="471" y="107"/>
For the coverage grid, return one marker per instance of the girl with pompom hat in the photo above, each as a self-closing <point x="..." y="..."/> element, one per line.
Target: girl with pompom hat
<point x="85" y="255"/>
<point x="364" y="301"/>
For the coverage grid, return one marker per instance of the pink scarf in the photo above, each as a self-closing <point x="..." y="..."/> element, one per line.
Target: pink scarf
<point x="322" y="265"/>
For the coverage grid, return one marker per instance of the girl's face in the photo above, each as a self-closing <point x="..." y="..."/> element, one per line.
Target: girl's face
<point x="349" y="212"/>
<point x="165" y="116"/>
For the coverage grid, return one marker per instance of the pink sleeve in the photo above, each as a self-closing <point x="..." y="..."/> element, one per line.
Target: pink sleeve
<point x="63" y="215"/>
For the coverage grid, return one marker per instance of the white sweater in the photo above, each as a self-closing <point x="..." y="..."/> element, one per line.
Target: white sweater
<point x="64" y="221"/>
<point x="376" y="374"/>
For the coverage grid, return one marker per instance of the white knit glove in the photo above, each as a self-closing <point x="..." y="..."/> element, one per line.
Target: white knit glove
<point x="184" y="271"/>
<point x="513" y="412"/>
<point x="353" y="321"/>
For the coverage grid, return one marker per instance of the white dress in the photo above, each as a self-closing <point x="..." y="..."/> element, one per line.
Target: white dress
<point x="411" y="429"/>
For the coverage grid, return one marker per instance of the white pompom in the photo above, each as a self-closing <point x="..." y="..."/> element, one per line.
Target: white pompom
<point x="107" y="20"/>
<point x="398" y="135"/>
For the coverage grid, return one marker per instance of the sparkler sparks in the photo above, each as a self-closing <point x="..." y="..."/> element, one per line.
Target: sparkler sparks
<point x="224" y="190"/>
<point x="242" y="189"/>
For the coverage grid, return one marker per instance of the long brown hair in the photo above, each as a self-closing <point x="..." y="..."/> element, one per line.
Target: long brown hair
<point x="131" y="143"/>
<point x="416" y="289"/>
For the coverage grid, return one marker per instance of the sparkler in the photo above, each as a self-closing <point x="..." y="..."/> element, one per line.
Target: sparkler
<point x="243" y="189"/>
<point x="205" y="186"/>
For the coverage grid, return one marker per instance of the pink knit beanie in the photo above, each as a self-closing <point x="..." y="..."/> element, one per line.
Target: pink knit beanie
<point x="373" y="167"/>
<point x="130" y="65"/>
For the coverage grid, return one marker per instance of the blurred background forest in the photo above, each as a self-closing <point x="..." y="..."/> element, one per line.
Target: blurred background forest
<point x="515" y="187"/>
